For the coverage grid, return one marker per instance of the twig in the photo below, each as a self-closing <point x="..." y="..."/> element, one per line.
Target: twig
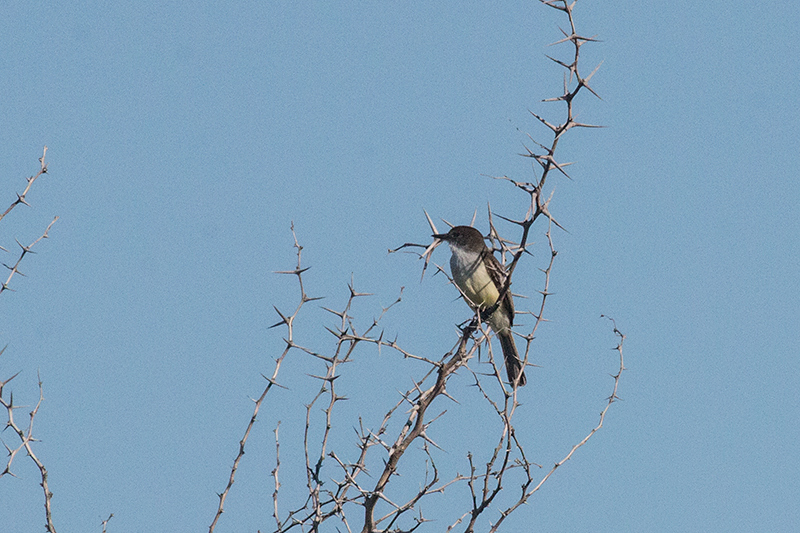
<point x="25" y="250"/>
<point x="105" y="522"/>
<point x="271" y="381"/>
<point x="26" y="438"/>
<point x="21" y="197"/>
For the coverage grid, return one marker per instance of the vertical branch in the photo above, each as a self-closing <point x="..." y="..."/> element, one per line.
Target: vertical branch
<point x="275" y="475"/>
<point x="347" y="339"/>
<point x="26" y="438"/>
<point x="611" y="399"/>
<point x="574" y="83"/>
<point x="288" y="321"/>
<point x="415" y="425"/>
<point x="544" y="155"/>
<point x="106" y="521"/>
<point x="507" y="463"/>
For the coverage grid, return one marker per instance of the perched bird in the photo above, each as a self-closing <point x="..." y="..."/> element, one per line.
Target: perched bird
<point x="480" y="277"/>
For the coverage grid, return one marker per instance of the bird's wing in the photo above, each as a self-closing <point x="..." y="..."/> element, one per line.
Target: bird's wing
<point x="498" y="275"/>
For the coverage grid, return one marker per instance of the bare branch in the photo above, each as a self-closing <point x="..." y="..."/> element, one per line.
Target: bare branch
<point x="26" y="438"/>
<point x="340" y="483"/>
<point x="21" y="197"/>
<point x="271" y="381"/>
<point x="25" y="250"/>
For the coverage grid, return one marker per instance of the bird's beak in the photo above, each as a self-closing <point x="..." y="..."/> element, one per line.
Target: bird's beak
<point x="443" y="236"/>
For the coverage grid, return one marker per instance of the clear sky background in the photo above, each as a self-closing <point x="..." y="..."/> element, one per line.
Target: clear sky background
<point x="185" y="137"/>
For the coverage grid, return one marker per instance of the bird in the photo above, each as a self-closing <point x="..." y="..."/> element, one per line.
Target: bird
<point x="480" y="277"/>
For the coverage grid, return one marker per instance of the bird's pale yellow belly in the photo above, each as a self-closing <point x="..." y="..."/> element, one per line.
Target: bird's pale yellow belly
<point x="476" y="284"/>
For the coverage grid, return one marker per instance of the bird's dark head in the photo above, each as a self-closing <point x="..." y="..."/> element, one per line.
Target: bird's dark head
<point x="465" y="237"/>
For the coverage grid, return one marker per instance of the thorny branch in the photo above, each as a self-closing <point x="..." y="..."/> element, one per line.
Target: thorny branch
<point x="288" y="321"/>
<point x="25" y="250"/>
<point x="21" y="197"/>
<point x="25" y="435"/>
<point x="26" y="438"/>
<point x="367" y="491"/>
<point x="105" y="522"/>
<point x="544" y="155"/>
<point x="611" y="399"/>
<point x="21" y="200"/>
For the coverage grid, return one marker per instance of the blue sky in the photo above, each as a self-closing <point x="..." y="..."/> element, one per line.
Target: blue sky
<point x="184" y="140"/>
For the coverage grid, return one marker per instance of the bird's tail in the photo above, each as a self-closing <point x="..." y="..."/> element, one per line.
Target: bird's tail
<point x="513" y="362"/>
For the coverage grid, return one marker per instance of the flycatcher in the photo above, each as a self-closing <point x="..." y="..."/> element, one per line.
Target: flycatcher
<point x="480" y="277"/>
